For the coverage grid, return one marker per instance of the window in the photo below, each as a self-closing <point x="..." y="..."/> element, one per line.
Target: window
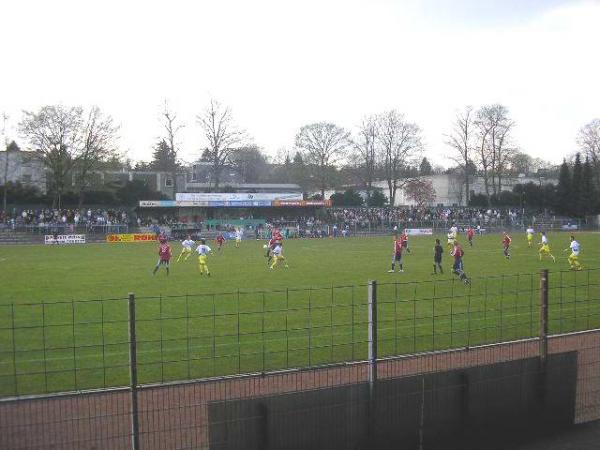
<point x="26" y="178"/>
<point x="168" y="182"/>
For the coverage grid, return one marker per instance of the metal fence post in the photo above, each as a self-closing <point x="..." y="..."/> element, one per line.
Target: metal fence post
<point x="372" y="342"/>
<point x="372" y="336"/>
<point x="543" y="316"/>
<point x="133" y="379"/>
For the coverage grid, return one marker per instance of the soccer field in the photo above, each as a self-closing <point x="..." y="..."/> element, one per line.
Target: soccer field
<point x="63" y="317"/>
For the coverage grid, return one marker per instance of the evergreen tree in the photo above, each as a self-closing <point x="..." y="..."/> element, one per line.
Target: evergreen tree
<point x="352" y="198"/>
<point x="563" y="194"/>
<point x="299" y="172"/>
<point x="377" y="198"/>
<point x="576" y="200"/>
<point x="588" y="195"/>
<point x="163" y="158"/>
<point x="425" y="167"/>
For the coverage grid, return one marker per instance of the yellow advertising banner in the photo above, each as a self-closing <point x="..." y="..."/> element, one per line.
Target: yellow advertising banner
<point x="131" y="237"/>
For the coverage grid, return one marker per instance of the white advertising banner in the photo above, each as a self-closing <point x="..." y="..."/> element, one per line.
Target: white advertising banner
<point x="419" y="231"/>
<point x="65" y="239"/>
<point x="203" y="198"/>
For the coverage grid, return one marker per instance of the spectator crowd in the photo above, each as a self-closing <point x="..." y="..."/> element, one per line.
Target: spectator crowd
<point x="48" y="217"/>
<point x="329" y="221"/>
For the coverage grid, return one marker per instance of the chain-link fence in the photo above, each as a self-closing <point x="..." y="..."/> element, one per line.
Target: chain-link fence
<point x="178" y="372"/>
<point x="75" y="345"/>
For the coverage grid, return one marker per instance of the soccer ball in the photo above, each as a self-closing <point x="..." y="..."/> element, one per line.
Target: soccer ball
<point x="265" y="246"/>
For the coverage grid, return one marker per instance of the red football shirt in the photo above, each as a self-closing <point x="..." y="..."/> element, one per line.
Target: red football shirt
<point x="398" y="246"/>
<point x="164" y="251"/>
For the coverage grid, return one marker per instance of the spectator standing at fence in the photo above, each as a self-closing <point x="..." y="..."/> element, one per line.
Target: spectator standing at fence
<point x="164" y="255"/>
<point x="438" y="250"/>
<point x="397" y="258"/>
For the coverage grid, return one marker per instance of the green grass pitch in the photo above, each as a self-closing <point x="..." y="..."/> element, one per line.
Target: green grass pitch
<point x="63" y="313"/>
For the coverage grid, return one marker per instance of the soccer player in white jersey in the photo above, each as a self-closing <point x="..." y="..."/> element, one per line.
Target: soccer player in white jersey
<point x="530" y="231"/>
<point x="454" y="230"/>
<point x="186" y="249"/>
<point x="452" y="236"/>
<point x="203" y="251"/>
<point x="574" y="256"/>
<point x="238" y="237"/>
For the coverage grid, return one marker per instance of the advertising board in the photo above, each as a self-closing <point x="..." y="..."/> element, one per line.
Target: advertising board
<point x="64" y="239"/>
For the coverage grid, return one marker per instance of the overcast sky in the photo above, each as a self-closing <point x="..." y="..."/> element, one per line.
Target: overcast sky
<point x="282" y="64"/>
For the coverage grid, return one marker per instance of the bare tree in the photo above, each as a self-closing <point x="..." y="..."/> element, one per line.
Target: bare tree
<point x="55" y="133"/>
<point x="494" y="148"/>
<point x="323" y="145"/>
<point x="461" y="140"/>
<point x="589" y="142"/>
<point x="6" y="163"/>
<point x="400" y="147"/>
<point x="223" y="138"/>
<point x="364" y="154"/>
<point x="97" y="145"/>
<point x="172" y="128"/>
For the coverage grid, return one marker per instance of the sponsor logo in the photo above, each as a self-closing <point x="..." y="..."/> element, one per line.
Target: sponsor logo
<point x="419" y="231"/>
<point x="64" y="239"/>
<point x="131" y="237"/>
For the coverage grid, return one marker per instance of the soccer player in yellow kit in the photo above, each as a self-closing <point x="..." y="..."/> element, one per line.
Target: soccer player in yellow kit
<point x="574" y="256"/>
<point x="238" y="237"/>
<point x="545" y="248"/>
<point x="278" y="256"/>
<point x="186" y="248"/>
<point x="530" y="232"/>
<point x="203" y="251"/>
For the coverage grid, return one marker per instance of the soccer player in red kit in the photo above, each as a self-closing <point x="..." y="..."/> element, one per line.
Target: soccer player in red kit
<point x="220" y="241"/>
<point x="458" y="268"/>
<point x="470" y="234"/>
<point x="506" y="240"/>
<point x="276" y="239"/>
<point x="397" y="258"/>
<point x="404" y="240"/>
<point x="164" y="255"/>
